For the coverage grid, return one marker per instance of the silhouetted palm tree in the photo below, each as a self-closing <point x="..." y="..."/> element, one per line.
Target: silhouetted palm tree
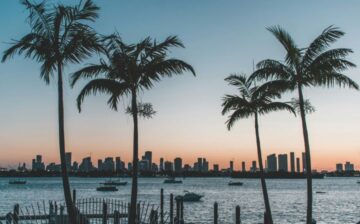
<point x="128" y="70"/>
<point x="254" y="101"/>
<point x="316" y="65"/>
<point x="59" y="36"/>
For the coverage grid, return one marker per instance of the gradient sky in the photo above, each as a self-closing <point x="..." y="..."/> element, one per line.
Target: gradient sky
<point x="221" y="37"/>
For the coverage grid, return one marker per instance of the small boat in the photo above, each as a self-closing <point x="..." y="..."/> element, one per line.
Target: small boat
<point x="235" y="183"/>
<point x="17" y="182"/>
<point x="106" y="188"/>
<point x="189" y="197"/>
<point x="320" y="192"/>
<point x="358" y="182"/>
<point x="172" y="180"/>
<point x="114" y="183"/>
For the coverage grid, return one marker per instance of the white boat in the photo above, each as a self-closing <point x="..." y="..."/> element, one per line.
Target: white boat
<point x="114" y="183"/>
<point x="172" y="180"/>
<point x="17" y="182"/>
<point x="189" y="197"/>
<point x="235" y="183"/>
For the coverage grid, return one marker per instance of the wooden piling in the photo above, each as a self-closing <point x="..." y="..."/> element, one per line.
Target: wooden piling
<point x="104" y="217"/>
<point x="74" y="196"/>
<point x="8" y="218"/>
<point x="216" y="214"/>
<point x="116" y="217"/>
<point x="162" y="206"/>
<point x="138" y="213"/>
<point x="237" y="215"/>
<point x="16" y="214"/>
<point x="171" y="209"/>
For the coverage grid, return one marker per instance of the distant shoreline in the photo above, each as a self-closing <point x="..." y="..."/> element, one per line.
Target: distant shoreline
<point x="236" y="174"/>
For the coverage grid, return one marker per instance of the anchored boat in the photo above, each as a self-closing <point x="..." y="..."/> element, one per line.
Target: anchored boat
<point x="235" y="183"/>
<point x="106" y="188"/>
<point x="115" y="183"/>
<point x="17" y="182"/>
<point x="172" y="180"/>
<point x="189" y="197"/>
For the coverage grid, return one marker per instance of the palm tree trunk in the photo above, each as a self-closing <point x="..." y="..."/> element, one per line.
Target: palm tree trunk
<point x="262" y="176"/>
<point x="134" y="187"/>
<point x="64" y="173"/>
<point x="308" y="157"/>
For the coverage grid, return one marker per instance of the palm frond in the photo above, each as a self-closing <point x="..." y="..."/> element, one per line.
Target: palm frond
<point x="145" y="110"/>
<point x="330" y="79"/>
<point x="113" y="88"/>
<point x="293" y="54"/>
<point x="271" y="69"/>
<point x="236" y="115"/>
<point x="276" y="106"/>
<point x="91" y="71"/>
<point x="234" y="102"/>
<point x="328" y="36"/>
<point x="308" y="107"/>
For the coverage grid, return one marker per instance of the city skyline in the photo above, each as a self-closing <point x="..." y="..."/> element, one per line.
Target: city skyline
<point x="29" y="127"/>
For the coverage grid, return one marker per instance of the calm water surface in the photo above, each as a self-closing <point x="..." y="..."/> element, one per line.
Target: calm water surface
<point x="340" y="203"/>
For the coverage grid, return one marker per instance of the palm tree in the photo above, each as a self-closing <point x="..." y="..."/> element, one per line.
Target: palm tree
<point x="58" y="36"/>
<point x="254" y="101"/>
<point x="316" y="65"/>
<point x="128" y="70"/>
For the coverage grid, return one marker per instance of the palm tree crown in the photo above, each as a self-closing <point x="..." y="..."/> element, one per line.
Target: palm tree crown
<point x="315" y="65"/>
<point x="58" y="36"/>
<point x="128" y="68"/>
<point x="252" y="99"/>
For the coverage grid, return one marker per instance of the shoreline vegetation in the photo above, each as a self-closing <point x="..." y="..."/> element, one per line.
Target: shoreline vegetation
<point x="235" y="174"/>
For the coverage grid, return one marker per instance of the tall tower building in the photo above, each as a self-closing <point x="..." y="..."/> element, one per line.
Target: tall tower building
<point x="283" y="162"/>
<point x="199" y="164"/>
<point x="68" y="161"/>
<point x="298" y="164"/>
<point x="148" y="157"/>
<point x="231" y="169"/>
<point x="161" y="164"/>
<point x="271" y="163"/>
<point x="178" y="165"/>
<point x="292" y="162"/>
<point x="253" y="166"/>
<point x="304" y="161"/>
<point x="243" y="166"/>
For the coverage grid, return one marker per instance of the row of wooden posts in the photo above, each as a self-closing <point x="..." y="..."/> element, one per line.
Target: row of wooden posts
<point x="174" y="216"/>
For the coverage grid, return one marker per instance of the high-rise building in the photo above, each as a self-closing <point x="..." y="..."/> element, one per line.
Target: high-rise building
<point x="271" y="163"/>
<point x="148" y="157"/>
<point x="130" y="166"/>
<point x="231" y="169"/>
<point x="118" y="164"/>
<point x="109" y="164"/>
<point x="298" y="164"/>
<point x="349" y="167"/>
<point x="75" y="166"/>
<point x="205" y="166"/>
<point x="86" y="165"/>
<point x="178" y="165"/>
<point x="339" y="167"/>
<point x="187" y="167"/>
<point x="199" y="164"/>
<point x="100" y="165"/>
<point x="292" y="162"/>
<point x="168" y="166"/>
<point x="143" y="165"/>
<point x="216" y="167"/>
<point x="161" y="164"/>
<point x="37" y="164"/>
<point x="253" y="166"/>
<point x="283" y="162"/>
<point x="68" y="161"/>
<point x="243" y="166"/>
<point x="304" y="161"/>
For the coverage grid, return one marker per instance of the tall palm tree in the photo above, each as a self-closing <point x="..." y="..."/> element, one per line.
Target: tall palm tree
<point x="254" y="101"/>
<point x="127" y="70"/>
<point x="315" y="65"/>
<point x="59" y="36"/>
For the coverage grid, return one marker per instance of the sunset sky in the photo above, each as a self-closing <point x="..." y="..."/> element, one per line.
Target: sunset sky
<point x="221" y="37"/>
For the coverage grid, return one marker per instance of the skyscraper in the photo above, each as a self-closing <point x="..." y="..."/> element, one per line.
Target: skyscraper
<point x="243" y="166"/>
<point x="118" y="164"/>
<point x="161" y="164"/>
<point x="271" y="163"/>
<point x="304" y="161"/>
<point x="168" y="166"/>
<point x="231" y="169"/>
<point x="339" y="167"/>
<point x="205" y="166"/>
<point x="178" y="165"/>
<point x="68" y="161"/>
<point x="349" y="167"/>
<point x="292" y="162"/>
<point x="199" y="164"/>
<point x="148" y="157"/>
<point x="216" y="167"/>
<point x="283" y="162"/>
<point x="298" y="164"/>
<point x="253" y="166"/>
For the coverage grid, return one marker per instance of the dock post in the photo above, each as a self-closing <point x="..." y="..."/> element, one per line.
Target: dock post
<point x="128" y="211"/>
<point x="153" y="217"/>
<point x="16" y="214"/>
<point x="104" y="218"/>
<point x="177" y="217"/>
<point x="61" y="214"/>
<point x="171" y="209"/>
<point x="237" y="215"/>
<point x="216" y="214"/>
<point x="138" y="213"/>
<point x="181" y="211"/>
<point x="8" y="218"/>
<point x="162" y="206"/>
<point x="74" y="196"/>
<point x="116" y="217"/>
